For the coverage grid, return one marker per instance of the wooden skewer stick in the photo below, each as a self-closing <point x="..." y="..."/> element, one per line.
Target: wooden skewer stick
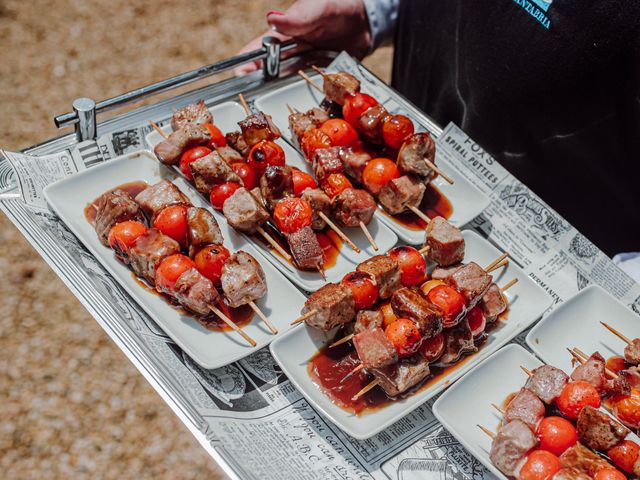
<point x="618" y="334"/>
<point x="501" y="410"/>
<point x="370" y="386"/>
<point x="342" y="340"/>
<point x="310" y="81"/>
<point x="340" y="233"/>
<point x="487" y="431"/>
<point x="273" y="243"/>
<point x="264" y="318"/>
<point x="232" y="324"/>
<point x="436" y="169"/>
<point x="490" y="267"/>
<point x="419" y="213"/>
<point x="244" y="104"/>
<point x="583" y="357"/>
<point x="367" y="234"/>
<point x="503" y="263"/>
<point x="157" y="128"/>
<point x="526" y="370"/>
<point x="352" y="373"/>
<point x="302" y="318"/>
<point x="508" y="285"/>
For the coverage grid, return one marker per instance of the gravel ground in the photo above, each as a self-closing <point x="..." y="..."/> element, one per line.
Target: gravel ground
<point x="72" y="405"/>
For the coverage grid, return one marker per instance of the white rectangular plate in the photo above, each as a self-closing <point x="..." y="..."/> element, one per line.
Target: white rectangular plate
<point x="576" y="323"/>
<point x="468" y="202"/>
<point x="293" y="350"/>
<point x="68" y="198"/>
<point x="226" y="116"/>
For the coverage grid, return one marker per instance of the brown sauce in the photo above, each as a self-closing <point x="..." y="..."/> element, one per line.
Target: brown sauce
<point x="434" y="203"/>
<point x="132" y="188"/>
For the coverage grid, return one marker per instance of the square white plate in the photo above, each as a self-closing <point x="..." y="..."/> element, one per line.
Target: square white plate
<point x="576" y="323"/>
<point x="68" y="198"/>
<point x="226" y="116"/>
<point x="293" y="350"/>
<point x="468" y="202"/>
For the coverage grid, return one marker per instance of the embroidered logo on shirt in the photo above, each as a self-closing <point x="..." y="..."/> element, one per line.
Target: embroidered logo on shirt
<point x="537" y="9"/>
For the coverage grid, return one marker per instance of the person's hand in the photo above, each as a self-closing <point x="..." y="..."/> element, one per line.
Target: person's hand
<point x="330" y="24"/>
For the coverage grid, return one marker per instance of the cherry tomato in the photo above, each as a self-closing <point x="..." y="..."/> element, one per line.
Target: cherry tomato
<point x="265" y="153"/>
<point x="429" y="285"/>
<point x="627" y="408"/>
<point x="405" y="336"/>
<point x="413" y="267"/>
<point x="388" y="317"/>
<point x="247" y="174"/>
<point x="172" y="221"/>
<point x="432" y="348"/>
<point x="609" y="474"/>
<point x="123" y="234"/>
<point x="312" y="140"/>
<point x="540" y="465"/>
<point x="624" y="455"/>
<point x="192" y="155"/>
<point x="616" y="363"/>
<point x="556" y="434"/>
<point x="364" y="288"/>
<point x="340" y="133"/>
<point x="292" y="214"/>
<point x="575" y="396"/>
<point x="356" y="105"/>
<point x="220" y="193"/>
<point x="209" y="261"/>
<point x="449" y="301"/>
<point x="378" y="173"/>
<point x="170" y="270"/>
<point x="477" y="320"/>
<point x="335" y="184"/>
<point x="396" y="129"/>
<point x="302" y="181"/>
<point x="217" y="137"/>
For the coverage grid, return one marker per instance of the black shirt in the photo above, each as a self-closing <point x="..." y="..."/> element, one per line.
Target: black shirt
<point x="553" y="95"/>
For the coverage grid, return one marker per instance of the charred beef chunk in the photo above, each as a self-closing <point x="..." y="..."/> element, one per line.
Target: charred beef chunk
<point x="244" y="211"/>
<point x="258" y="127"/>
<point x="327" y="161"/>
<point x="242" y="279"/>
<point x="412" y="155"/>
<point x="203" y="229"/>
<point x="527" y="407"/>
<point x="320" y="202"/>
<point x="547" y="383"/>
<point x="370" y="123"/>
<point x="229" y="155"/>
<point x="340" y="86"/>
<point x="195" y="292"/>
<point x="148" y="251"/>
<point x="386" y="272"/>
<point x="409" y="303"/>
<point x="333" y="305"/>
<point x="583" y="460"/>
<point x="399" y="377"/>
<point x="352" y="206"/>
<point x="212" y="170"/>
<point x="374" y="349"/>
<point x="155" y="198"/>
<point x="236" y="141"/>
<point x="599" y="431"/>
<point x="115" y="207"/>
<point x="472" y="282"/>
<point x="401" y="193"/>
<point x="168" y="151"/>
<point x="632" y="352"/>
<point x="513" y="441"/>
<point x="305" y="249"/>
<point x="493" y="303"/>
<point x="354" y="162"/>
<point x="276" y="184"/>
<point x="445" y="242"/>
<point x="458" y="341"/>
<point x="193" y="114"/>
<point x="367" y="320"/>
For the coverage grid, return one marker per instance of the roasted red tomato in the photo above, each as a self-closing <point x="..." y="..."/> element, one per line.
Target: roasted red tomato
<point x="123" y="234"/>
<point x="378" y="173"/>
<point x="364" y="288"/>
<point x="540" y="465"/>
<point x="192" y="155"/>
<point x="265" y="153"/>
<point x="405" y="336"/>
<point x="292" y="214"/>
<point x="217" y="137"/>
<point x="312" y="140"/>
<point x="170" y="270"/>
<point x="396" y="129"/>
<point x="302" y="181"/>
<point x="413" y="267"/>
<point x="556" y="434"/>
<point x="575" y="396"/>
<point x="449" y="301"/>
<point x="221" y="192"/>
<point x="432" y="348"/>
<point x="247" y="174"/>
<point x="172" y="221"/>
<point x="356" y="105"/>
<point x="335" y="184"/>
<point x="209" y="261"/>
<point x="624" y="455"/>
<point x="340" y="133"/>
<point x="477" y="321"/>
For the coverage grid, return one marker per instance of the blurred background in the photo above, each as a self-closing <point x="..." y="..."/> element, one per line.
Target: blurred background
<point x="72" y="406"/>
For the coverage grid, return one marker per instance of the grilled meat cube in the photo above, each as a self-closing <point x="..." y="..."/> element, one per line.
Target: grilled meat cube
<point x="193" y="114"/>
<point x="374" y="349"/>
<point x="512" y="442"/>
<point x="305" y="249"/>
<point x="242" y="279"/>
<point x="444" y="273"/>
<point x="401" y="193"/>
<point x="445" y="242"/>
<point x="386" y="272"/>
<point x="352" y="206"/>
<point x="527" y="407"/>
<point x="195" y="292"/>
<point x="203" y="229"/>
<point x="157" y="197"/>
<point x="115" y="207"/>
<point x="354" y="162"/>
<point x="412" y="155"/>
<point x="320" y="202"/>
<point x="399" y="377"/>
<point x="367" y="320"/>
<point x="472" y="282"/>
<point x="333" y="305"/>
<point x="340" y="86"/>
<point x="168" y="151"/>
<point x="229" y="154"/>
<point x="493" y="303"/>
<point x="370" y="123"/>
<point x="331" y="109"/>
<point x="632" y="352"/>
<point x="211" y="170"/>
<point x="236" y="141"/>
<point x="570" y="474"/>
<point x="458" y="341"/>
<point x="258" y="127"/>
<point x="583" y="460"/>
<point x="148" y="251"/>
<point x="327" y="161"/>
<point x="408" y="302"/>
<point x="244" y="211"/>
<point x="547" y="383"/>
<point x="599" y="431"/>
<point x="276" y="184"/>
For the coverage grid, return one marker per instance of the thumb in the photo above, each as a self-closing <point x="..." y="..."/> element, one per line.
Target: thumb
<point x="302" y="18"/>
